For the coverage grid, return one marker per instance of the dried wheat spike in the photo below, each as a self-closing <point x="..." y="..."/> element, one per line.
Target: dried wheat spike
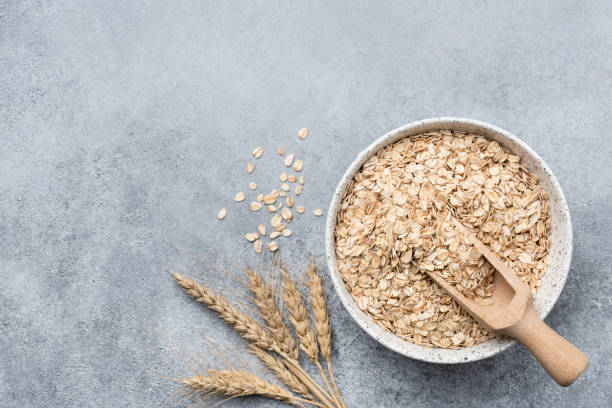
<point x="319" y="311"/>
<point x="321" y="319"/>
<point x="265" y="301"/>
<point x="282" y="372"/>
<point x="241" y="322"/>
<point x="234" y="383"/>
<point x="299" y="316"/>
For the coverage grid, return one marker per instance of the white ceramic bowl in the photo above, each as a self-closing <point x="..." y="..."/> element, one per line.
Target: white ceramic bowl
<point x="560" y="250"/>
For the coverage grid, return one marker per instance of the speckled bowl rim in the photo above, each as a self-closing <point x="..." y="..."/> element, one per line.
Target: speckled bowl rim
<point x="561" y="244"/>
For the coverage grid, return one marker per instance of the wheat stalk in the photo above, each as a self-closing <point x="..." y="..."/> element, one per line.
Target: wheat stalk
<point x="265" y="301"/>
<point x="299" y="316"/>
<point x="312" y="385"/>
<point x="319" y="311"/>
<point x="241" y="322"/>
<point x="235" y="383"/>
<point x="301" y="322"/>
<point x="321" y="319"/>
<point x="282" y="372"/>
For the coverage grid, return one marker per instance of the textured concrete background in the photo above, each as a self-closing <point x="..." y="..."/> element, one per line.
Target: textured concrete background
<point x="126" y="124"/>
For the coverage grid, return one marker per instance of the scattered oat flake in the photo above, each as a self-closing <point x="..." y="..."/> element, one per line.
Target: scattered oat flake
<point x="260" y="197"/>
<point x="253" y="186"/>
<point x="269" y="199"/>
<point x="283" y="194"/>
<point x="271" y="208"/>
<point x="283" y="177"/>
<point x="289" y="160"/>
<point x="257" y="152"/>
<point x="297" y="166"/>
<point x="299" y="209"/>
<point x="289" y="201"/>
<point x="287" y="232"/>
<point x="281" y="150"/>
<point x="262" y="229"/>
<point x="273" y="246"/>
<point x="276" y="220"/>
<point x="285" y="187"/>
<point x="292" y="178"/>
<point x="275" y="234"/>
<point x="257" y="245"/>
<point x="252" y="236"/>
<point x="302" y="180"/>
<point x="303" y="133"/>
<point x="250" y="168"/>
<point x="318" y="212"/>
<point x="286" y="214"/>
<point x="239" y="197"/>
<point x="256" y="206"/>
<point x="298" y="189"/>
<point x="222" y="213"/>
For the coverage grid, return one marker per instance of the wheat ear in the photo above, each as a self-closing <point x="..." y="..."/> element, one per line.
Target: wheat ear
<point x="235" y="383"/>
<point x="265" y="301"/>
<point x="299" y="316"/>
<point x="321" y="319"/>
<point x="241" y="322"/>
<point x="282" y="372"/>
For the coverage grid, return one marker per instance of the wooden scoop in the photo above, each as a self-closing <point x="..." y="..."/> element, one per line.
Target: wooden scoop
<point x="512" y="314"/>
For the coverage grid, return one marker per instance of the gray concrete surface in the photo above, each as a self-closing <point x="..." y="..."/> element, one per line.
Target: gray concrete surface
<point x="127" y="124"/>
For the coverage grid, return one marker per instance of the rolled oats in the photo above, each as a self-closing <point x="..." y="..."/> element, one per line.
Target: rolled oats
<point x="297" y="166"/>
<point x="251" y="236"/>
<point x="289" y="160"/>
<point x="257" y="152"/>
<point x="303" y="133"/>
<point x="394" y="226"/>
<point x="256" y="206"/>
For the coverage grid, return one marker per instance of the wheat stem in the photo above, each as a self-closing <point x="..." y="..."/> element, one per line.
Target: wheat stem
<point x="303" y="328"/>
<point x="333" y="380"/>
<point x="312" y="385"/>
<point x="331" y="392"/>
<point x="322" y="325"/>
<point x="282" y="372"/>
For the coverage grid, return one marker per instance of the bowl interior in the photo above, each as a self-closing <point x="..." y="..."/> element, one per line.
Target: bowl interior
<point x="560" y="250"/>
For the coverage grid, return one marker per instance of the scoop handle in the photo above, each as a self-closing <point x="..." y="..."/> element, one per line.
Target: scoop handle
<point x="561" y="359"/>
